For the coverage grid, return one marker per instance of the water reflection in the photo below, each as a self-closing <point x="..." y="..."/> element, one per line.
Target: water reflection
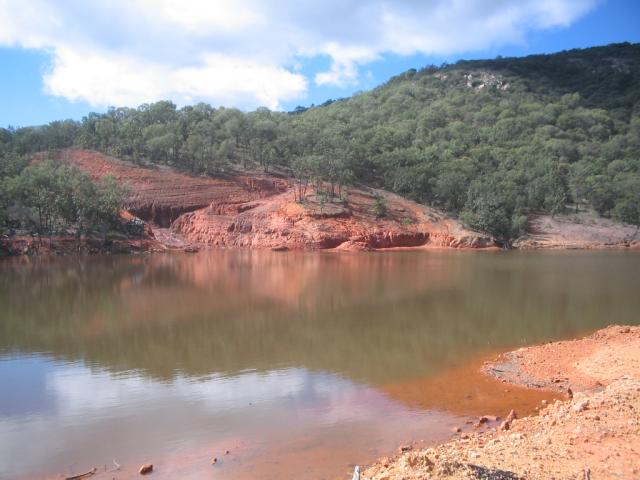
<point x="94" y="416"/>
<point x="373" y="318"/>
<point x="313" y="357"/>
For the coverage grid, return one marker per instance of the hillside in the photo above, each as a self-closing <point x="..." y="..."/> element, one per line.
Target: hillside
<point x="493" y="143"/>
<point x="260" y="211"/>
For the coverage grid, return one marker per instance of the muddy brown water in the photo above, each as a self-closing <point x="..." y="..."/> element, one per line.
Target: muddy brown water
<point x="299" y="364"/>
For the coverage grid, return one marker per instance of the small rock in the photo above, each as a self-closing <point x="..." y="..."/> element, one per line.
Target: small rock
<point x="488" y="418"/>
<point x="569" y="393"/>
<point x="506" y="425"/>
<point x="227" y="452"/>
<point x="145" y="469"/>
<point x="214" y="460"/>
<point x="581" y="406"/>
<point x="456" y="429"/>
<point x="405" y="448"/>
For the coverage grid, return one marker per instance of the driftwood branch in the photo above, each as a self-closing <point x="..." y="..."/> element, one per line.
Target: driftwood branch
<point x="82" y="475"/>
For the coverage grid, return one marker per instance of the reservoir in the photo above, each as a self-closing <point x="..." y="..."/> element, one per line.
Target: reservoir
<point x="299" y="365"/>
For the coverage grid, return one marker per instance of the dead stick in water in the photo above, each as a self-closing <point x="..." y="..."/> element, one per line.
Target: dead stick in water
<point x="82" y="475"/>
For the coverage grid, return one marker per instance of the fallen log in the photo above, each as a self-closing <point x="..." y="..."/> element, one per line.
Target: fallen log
<point x="82" y="475"/>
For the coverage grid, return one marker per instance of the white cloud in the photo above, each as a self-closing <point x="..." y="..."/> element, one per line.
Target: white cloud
<point x="344" y="69"/>
<point x="202" y="16"/>
<point x="248" y="52"/>
<point x="105" y="78"/>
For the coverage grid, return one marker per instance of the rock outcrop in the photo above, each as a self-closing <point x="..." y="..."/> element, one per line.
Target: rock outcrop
<point x="280" y="221"/>
<point x="585" y="230"/>
<point x="259" y="211"/>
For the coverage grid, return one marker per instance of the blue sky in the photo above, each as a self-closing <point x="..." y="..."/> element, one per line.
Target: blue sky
<point x="63" y="59"/>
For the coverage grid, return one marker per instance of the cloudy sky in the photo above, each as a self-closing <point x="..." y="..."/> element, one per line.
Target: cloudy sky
<point x="64" y="58"/>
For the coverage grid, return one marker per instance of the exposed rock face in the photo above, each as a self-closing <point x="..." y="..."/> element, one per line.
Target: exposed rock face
<point x="578" y="231"/>
<point x="279" y="222"/>
<point x="259" y="211"/>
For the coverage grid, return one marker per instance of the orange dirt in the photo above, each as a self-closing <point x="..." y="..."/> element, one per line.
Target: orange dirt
<point x="259" y="211"/>
<point x="160" y="194"/>
<point x="591" y="362"/>
<point x="462" y="391"/>
<point x="595" y="434"/>
<point x="584" y="230"/>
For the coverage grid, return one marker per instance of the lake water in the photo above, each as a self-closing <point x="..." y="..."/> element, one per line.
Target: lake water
<point x="299" y="364"/>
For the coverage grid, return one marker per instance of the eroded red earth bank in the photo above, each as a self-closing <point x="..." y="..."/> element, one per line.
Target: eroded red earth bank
<point x="255" y="210"/>
<point x="259" y="211"/>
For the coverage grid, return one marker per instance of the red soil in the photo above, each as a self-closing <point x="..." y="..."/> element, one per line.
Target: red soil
<point x="160" y="194"/>
<point x="595" y="433"/>
<point x="259" y="211"/>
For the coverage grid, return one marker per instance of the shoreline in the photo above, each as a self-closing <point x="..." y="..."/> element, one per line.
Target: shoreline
<point x="594" y="432"/>
<point x="28" y="246"/>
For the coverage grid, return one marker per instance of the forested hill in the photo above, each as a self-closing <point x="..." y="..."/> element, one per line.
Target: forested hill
<point x="605" y="77"/>
<point x="489" y="141"/>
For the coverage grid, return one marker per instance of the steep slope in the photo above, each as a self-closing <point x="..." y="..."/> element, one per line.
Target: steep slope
<point x="160" y="194"/>
<point x="259" y="211"/>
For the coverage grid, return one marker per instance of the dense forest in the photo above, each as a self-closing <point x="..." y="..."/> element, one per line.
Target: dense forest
<point x="488" y="141"/>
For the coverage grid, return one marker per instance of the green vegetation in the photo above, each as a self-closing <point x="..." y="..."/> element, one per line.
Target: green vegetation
<point x="379" y="207"/>
<point x="489" y="141"/>
<point x="49" y="197"/>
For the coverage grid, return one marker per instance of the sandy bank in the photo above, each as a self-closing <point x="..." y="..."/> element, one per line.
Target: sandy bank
<point x="594" y="433"/>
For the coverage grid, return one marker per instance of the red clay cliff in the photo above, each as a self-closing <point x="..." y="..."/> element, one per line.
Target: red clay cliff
<point x="259" y="211"/>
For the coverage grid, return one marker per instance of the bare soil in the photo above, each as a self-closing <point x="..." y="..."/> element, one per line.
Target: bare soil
<point x="593" y="434"/>
<point x="584" y="230"/>
<point x="257" y="210"/>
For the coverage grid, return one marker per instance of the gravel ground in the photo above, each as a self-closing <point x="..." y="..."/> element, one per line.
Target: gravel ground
<point x="593" y="434"/>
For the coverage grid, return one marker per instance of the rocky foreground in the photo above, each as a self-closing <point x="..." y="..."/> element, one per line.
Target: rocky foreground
<point x="593" y="434"/>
